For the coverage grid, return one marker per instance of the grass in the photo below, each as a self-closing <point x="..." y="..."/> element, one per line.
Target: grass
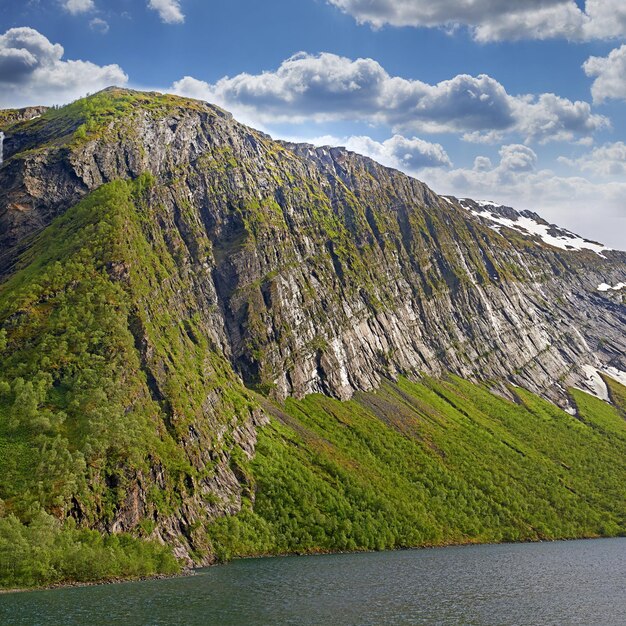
<point x="430" y="463"/>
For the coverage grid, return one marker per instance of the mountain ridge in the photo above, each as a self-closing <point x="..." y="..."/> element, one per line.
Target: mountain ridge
<point x="338" y="169"/>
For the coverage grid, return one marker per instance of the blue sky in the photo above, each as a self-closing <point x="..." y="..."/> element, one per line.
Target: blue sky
<point x="479" y="98"/>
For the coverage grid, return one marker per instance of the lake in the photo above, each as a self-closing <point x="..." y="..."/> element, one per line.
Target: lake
<point x="558" y="583"/>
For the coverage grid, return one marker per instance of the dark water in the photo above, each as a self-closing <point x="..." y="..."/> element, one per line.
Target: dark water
<point x="562" y="583"/>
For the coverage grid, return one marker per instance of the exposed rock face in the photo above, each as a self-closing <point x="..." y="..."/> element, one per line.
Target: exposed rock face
<point x="12" y="116"/>
<point x="326" y="271"/>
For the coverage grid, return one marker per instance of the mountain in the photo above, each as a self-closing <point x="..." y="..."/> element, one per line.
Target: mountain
<point x="231" y="345"/>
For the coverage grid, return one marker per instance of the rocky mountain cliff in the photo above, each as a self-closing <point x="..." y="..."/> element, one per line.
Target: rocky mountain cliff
<point x="241" y="268"/>
<point x="327" y="271"/>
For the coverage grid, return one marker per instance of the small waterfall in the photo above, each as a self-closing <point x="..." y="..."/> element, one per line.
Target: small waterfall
<point x="1" y="146"/>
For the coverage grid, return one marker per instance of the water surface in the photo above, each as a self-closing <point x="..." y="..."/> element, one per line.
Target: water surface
<point x="561" y="583"/>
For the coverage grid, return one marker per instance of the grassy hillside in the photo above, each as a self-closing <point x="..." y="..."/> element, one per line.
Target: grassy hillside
<point x="431" y="464"/>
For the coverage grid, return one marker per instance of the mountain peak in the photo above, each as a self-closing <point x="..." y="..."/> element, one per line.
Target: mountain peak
<point x="384" y="240"/>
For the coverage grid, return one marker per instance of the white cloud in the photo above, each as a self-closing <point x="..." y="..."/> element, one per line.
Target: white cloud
<point x="605" y="161"/>
<point x="169" y="10"/>
<point x="516" y="158"/>
<point x="552" y="20"/>
<point x="78" y="6"/>
<point x="482" y="164"/>
<point x="594" y="210"/>
<point x="610" y="75"/>
<point x="32" y="71"/>
<point x="327" y="87"/>
<point x="407" y="154"/>
<point x="493" y="20"/>
<point x="548" y="117"/>
<point x="428" y="13"/>
<point x="606" y="19"/>
<point x="99" y="25"/>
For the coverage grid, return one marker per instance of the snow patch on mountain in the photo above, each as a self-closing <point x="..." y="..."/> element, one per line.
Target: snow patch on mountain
<point x="618" y="375"/>
<point x="529" y="224"/>
<point x="595" y="384"/>
<point x="606" y="287"/>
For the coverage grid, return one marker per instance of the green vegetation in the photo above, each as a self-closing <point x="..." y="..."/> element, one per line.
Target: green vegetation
<point x="84" y="434"/>
<point x="7" y="117"/>
<point x="97" y="111"/>
<point x="430" y="464"/>
<point x="107" y="114"/>
<point x="88" y="418"/>
<point x="75" y="424"/>
<point x="46" y="553"/>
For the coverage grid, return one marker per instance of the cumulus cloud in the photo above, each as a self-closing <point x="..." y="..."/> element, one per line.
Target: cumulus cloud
<point x="427" y="13"/>
<point x="548" y="117"/>
<point x="169" y="10"/>
<point x="494" y="20"/>
<point x="78" y="6"/>
<point x="610" y="75"/>
<point x="607" y="161"/>
<point x="482" y="164"/>
<point x="407" y="154"/>
<point x="516" y="158"/>
<point x="605" y="19"/>
<point x="22" y="50"/>
<point x="327" y="87"/>
<point x="33" y="71"/>
<point x="518" y="182"/>
<point x="99" y="25"/>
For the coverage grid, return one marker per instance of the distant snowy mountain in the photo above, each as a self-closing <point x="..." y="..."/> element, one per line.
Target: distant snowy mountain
<point x="527" y="223"/>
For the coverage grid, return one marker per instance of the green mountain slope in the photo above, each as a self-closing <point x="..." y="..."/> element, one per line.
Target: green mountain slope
<point x="431" y="464"/>
<point x="173" y="288"/>
<point x="83" y="435"/>
<point x="86" y="433"/>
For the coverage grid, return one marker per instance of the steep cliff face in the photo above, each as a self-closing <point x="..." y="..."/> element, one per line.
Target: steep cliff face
<point x="326" y="271"/>
<point x="230" y="262"/>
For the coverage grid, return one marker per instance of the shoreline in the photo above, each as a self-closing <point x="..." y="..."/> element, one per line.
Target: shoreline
<point x="96" y="583"/>
<point x="188" y="572"/>
<point x="436" y="546"/>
